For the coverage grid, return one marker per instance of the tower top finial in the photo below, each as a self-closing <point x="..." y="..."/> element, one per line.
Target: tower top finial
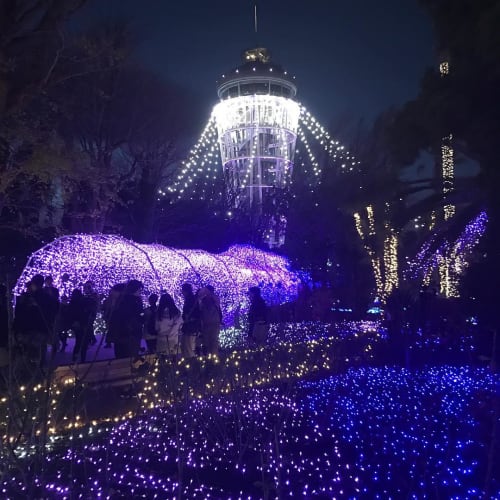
<point x="260" y="54"/>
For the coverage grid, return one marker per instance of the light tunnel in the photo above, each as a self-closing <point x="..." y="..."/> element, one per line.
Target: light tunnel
<point x="109" y="259"/>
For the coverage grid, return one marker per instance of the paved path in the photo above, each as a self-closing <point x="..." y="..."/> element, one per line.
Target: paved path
<point x="96" y="352"/>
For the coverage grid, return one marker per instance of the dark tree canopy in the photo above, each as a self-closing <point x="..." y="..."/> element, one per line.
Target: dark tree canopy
<point x="463" y="102"/>
<point x="87" y="135"/>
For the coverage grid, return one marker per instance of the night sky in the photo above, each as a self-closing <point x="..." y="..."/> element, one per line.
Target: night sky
<point x="352" y="58"/>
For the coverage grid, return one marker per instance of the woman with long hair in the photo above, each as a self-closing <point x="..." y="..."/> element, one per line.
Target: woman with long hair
<point x="168" y="324"/>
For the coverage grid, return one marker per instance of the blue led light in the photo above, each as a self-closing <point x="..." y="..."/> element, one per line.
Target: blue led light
<point x="368" y="433"/>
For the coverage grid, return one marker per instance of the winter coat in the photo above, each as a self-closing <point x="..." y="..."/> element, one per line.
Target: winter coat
<point x="127" y="319"/>
<point x="167" y="330"/>
<point x="191" y="316"/>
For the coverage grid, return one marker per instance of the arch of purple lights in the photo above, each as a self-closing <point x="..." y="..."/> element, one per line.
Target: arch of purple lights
<point x="109" y="259"/>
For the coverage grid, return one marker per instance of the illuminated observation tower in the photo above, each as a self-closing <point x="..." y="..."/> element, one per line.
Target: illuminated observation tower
<point x="244" y="157"/>
<point x="257" y="120"/>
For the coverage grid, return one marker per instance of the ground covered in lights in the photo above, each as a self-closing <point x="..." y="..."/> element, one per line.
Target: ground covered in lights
<point x="367" y="433"/>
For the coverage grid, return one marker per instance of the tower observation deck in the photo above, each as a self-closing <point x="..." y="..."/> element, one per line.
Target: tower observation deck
<point x="257" y="121"/>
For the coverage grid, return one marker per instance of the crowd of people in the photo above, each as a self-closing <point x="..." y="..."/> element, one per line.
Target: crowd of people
<point x="43" y="316"/>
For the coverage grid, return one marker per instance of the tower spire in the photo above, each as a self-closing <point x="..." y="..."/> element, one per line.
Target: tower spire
<point x="255" y="17"/>
<point x="255" y="22"/>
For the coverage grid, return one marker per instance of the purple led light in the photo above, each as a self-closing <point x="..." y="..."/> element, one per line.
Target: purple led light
<point x="459" y="251"/>
<point x="110" y="259"/>
<point x="359" y="434"/>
